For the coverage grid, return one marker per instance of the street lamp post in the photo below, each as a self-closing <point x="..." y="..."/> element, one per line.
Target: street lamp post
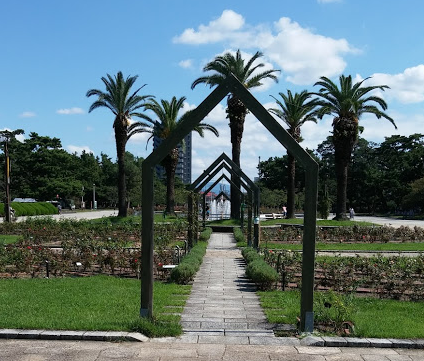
<point x="94" y="197"/>
<point x="82" y="197"/>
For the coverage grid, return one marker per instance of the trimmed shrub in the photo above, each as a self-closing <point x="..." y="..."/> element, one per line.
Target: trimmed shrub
<point x="31" y="209"/>
<point x="262" y="274"/>
<point x="238" y="235"/>
<point x="184" y="273"/>
<point x="205" y="234"/>
<point x="250" y="254"/>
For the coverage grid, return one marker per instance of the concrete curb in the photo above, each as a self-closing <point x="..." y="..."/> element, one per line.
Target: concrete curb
<point x="116" y="336"/>
<point x="361" y="342"/>
<point x="72" y="335"/>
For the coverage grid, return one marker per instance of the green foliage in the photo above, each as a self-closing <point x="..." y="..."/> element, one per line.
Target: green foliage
<point x="258" y="270"/>
<point x="333" y="309"/>
<point x="184" y="273"/>
<point x="262" y="274"/>
<point x="31" y="209"/>
<point x="205" y="234"/>
<point x="239" y="236"/>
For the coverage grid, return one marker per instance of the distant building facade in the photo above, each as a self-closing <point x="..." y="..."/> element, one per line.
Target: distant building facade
<point x="184" y="160"/>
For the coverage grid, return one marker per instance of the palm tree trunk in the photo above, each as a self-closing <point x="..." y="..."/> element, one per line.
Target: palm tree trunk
<point x="291" y="186"/>
<point x="236" y="113"/>
<point x="170" y="163"/>
<point x="121" y="140"/>
<point x="341" y="177"/>
<point x="345" y="131"/>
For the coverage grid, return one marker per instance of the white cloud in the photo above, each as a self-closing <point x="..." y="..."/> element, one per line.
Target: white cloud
<point x="70" y="111"/>
<point x="27" y="115"/>
<point x="186" y="64"/>
<point x="89" y="128"/>
<point x="304" y="55"/>
<point x="78" y="149"/>
<point x="217" y="30"/>
<point x="406" y="87"/>
<point x="301" y="54"/>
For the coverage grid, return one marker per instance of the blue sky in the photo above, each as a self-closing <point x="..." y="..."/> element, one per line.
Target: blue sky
<point x="52" y="52"/>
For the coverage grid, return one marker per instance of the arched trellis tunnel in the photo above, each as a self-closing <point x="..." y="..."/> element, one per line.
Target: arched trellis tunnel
<point x="224" y="162"/>
<point x="232" y="85"/>
<point x="250" y="198"/>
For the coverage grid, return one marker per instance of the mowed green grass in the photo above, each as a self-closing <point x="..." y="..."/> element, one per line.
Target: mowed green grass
<point x="91" y="303"/>
<point x="372" y="317"/>
<point x="369" y="247"/>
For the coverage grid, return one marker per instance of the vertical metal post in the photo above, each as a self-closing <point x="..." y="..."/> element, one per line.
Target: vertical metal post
<point x="256" y="226"/>
<point x="94" y="197"/>
<point x="190" y="236"/>
<point x="308" y="254"/>
<point x="146" y="309"/>
<point x="249" y="224"/>
<point x="7" y="172"/>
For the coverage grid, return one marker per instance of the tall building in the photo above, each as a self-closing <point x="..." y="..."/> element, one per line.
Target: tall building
<point x="184" y="160"/>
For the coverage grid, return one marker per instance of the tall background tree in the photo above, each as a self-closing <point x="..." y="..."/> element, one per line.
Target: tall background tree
<point x="294" y="111"/>
<point x="166" y="121"/>
<point x="250" y="76"/>
<point x="124" y="105"/>
<point x="347" y="104"/>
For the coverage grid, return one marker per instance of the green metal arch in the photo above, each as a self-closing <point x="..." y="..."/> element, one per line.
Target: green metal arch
<point x="232" y="85"/>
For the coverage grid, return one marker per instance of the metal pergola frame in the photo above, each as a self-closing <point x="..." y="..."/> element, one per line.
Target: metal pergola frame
<point x="223" y="161"/>
<point x="232" y="85"/>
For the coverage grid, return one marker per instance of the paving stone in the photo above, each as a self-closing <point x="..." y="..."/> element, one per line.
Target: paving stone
<point x="357" y="342"/>
<point x="136" y="336"/>
<point x="312" y="341"/>
<point x="238" y="340"/>
<point x="250" y="333"/>
<point x="9" y="333"/>
<point x="94" y="336"/>
<point x="334" y="341"/>
<point x="379" y="342"/>
<point x="72" y="335"/>
<point x="419" y="343"/>
<point x="401" y="343"/>
<point x="115" y="336"/>
<point x="29" y="334"/>
<point x="50" y="335"/>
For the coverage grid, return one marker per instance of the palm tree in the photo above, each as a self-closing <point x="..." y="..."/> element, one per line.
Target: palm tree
<point x="118" y="100"/>
<point x="167" y="120"/>
<point x="294" y="110"/>
<point x="250" y="76"/>
<point x="347" y="104"/>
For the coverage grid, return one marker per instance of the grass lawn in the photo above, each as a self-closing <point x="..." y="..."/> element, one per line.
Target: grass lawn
<point x="224" y="222"/>
<point x="89" y="303"/>
<point x="8" y="239"/>
<point x="372" y="317"/>
<point x="409" y="246"/>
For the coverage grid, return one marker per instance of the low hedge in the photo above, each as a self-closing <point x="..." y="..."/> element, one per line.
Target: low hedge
<point x="184" y="273"/>
<point x="30" y="209"/>
<point x="238" y="235"/>
<point x="262" y="274"/>
<point x="258" y="270"/>
<point x="205" y="234"/>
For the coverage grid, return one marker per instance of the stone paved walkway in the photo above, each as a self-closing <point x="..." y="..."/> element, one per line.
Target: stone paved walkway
<point x="223" y="306"/>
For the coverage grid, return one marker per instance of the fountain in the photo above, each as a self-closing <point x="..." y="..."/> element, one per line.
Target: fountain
<point x="220" y="209"/>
